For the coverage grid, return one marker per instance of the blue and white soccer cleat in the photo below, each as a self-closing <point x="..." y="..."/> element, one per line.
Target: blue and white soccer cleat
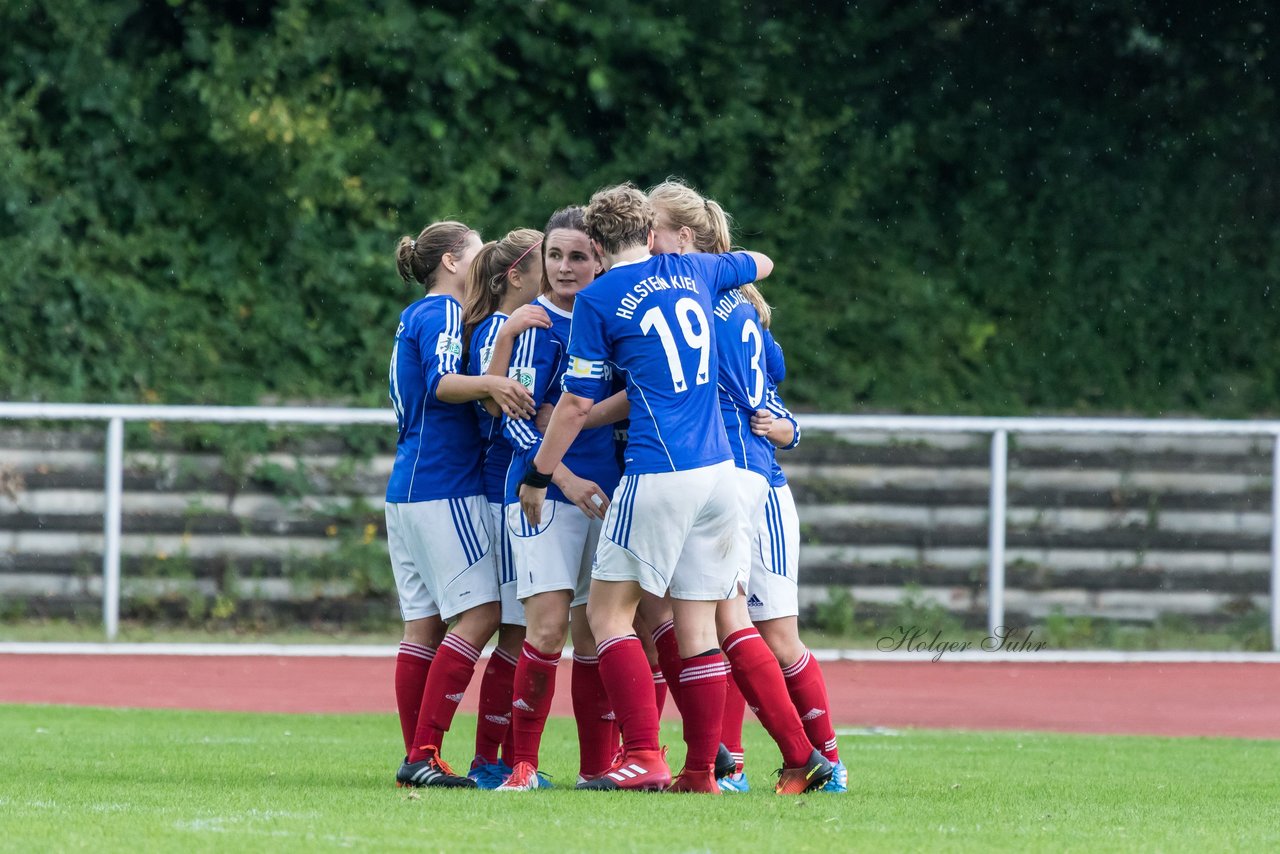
<point x="839" y="781"/>
<point x="735" y="782"/>
<point x="489" y="775"/>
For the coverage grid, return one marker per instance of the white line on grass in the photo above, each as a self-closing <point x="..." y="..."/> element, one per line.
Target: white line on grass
<point x="1066" y="656"/>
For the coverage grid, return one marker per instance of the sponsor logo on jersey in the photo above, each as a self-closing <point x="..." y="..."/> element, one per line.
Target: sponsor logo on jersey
<point x="447" y="345"/>
<point x="525" y="376"/>
<point x="486" y="356"/>
<point x="585" y="369"/>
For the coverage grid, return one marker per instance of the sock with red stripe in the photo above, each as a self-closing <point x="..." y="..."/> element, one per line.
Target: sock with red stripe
<point x="659" y="688"/>
<point x="808" y="690"/>
<point x="758" y="676"/>
<point x="447" y="681"/>
<point x="493" y="717"/>
<point x="735" y="709"/>
<point x="535" y="687"/>
<point x="624" y="669"/>
<point x="701" y="701"/>
<point x="669" y="664"/>
<point x="597" y="731"/>
<point x="412" y="663"/>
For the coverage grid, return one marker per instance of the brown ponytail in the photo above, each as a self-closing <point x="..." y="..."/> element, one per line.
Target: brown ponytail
<point x="488" y="278"/>
<point x="418" y="258"/>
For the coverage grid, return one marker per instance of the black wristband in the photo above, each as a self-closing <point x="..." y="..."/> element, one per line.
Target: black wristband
<point x="536" y="479"/>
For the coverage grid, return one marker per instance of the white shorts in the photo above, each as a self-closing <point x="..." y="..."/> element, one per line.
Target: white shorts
<point x="751" y="490"/>
<point x="775" y="560"/>
<point x="512" y="610"/>
<point x="557" y="554"/>
<point x="674" y="532"/>
<point x="441" y="556"/>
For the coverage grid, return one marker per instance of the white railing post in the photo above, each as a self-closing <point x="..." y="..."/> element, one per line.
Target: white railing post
<point x="111" y="528"/>
<point x="1275" y="545"/>
<point x="996" y="527"/>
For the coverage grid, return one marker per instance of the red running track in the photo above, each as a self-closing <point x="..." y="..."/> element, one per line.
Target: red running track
<point x="1191" y="699"/>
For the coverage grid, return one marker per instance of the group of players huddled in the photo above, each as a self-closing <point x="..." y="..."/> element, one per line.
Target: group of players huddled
<point x="588" y="417"/>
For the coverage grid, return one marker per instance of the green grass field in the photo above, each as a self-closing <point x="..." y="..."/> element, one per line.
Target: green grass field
<point x="116" y="780"/>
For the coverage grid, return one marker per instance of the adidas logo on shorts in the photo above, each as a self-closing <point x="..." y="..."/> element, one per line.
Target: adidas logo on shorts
<point x="812" y="715"/>
<point x="457" y="698"/>
<point x="754" y="602"/>
<point x="522" y="705"/>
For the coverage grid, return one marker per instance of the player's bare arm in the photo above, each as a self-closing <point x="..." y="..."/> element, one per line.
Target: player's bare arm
<point x="566" y="423"/>
<point x="764" y="264"/>
<point x="511" y="396"/>
<point x="611" y="410"/>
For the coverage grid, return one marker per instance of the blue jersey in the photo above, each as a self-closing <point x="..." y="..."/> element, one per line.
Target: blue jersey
<point x="775" y="405"/>
<point x="539" y="362"/>
<point x="497" y="450"/>
<point x="652" y="319"/>
<point x="438" y="450"/>
<point x="775" y="364"/>
<point x="743" y="379"/>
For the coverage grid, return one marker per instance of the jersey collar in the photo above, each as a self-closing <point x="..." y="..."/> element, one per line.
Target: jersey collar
<point x="553" y="308"/>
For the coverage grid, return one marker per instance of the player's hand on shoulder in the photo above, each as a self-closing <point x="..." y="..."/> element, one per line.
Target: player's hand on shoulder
<point x="761" y="422"/>
<point x="586" y="494"/>
<point x="516" y="400"/>
<point x="527" y="317"/>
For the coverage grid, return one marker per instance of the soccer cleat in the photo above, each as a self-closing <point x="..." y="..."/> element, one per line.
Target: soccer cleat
<point x="431" y="772"/>
<point x="489" y="775"/>
<point x="700" y="782"/>
<point x="736" y="782"/>
<point x="839" y="781"/>
<point x="523" y="778"/>
<point x="725" y="763"/>
<point x="812" y="775"/>
<point x="641" y="770"/>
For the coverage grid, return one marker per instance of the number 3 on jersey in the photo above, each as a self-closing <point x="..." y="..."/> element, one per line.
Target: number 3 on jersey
<point x="687" y="310"/>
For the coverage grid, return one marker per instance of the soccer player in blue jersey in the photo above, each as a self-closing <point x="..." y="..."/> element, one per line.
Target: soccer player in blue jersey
<point x="504" y="278"/>
<point x="553" y="559"/>
<point x="796" y="716"/>
<point x="672" y="523"/>
<point x="685" y="222"/>
<point x="438" y="532"/>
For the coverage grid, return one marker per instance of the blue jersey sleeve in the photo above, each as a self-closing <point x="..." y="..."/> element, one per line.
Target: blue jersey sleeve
<point x="726" y="272"/>
<point x="775" y="405"/>
<point x="534" y="362"/>
<point x="775" y="364"/>
<point x="589" y="349"/>
<point x="440" y="342"/>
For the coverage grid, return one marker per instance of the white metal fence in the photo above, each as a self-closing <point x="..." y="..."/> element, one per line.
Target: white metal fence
<point x="999" y="429"/>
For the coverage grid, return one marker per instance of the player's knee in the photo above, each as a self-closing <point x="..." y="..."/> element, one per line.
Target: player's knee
<point x="476" y="625"/>
<point x="785" y="645"/>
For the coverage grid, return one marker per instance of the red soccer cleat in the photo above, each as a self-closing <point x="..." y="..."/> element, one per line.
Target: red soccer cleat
<point x="639" y="770"/>
<point x="699" y="782"/>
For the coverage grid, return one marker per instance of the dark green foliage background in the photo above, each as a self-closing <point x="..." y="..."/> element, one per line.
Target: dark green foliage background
<point x="992" y="206"/>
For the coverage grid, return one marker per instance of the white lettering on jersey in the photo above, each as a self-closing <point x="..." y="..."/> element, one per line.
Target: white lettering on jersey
<point x="630" y="302"/>
<point x="727" y="303"/>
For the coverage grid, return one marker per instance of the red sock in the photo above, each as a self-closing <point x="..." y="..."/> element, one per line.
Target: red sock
<point x="701" y="699"/>
<point x="735" y="709"/>
<point x="624" y="669"/>
<point x="808" y="690"/>
<point x="535" y="686"/>
<point x="659" y="688"/>
<point x="446" y="683"/>
<point x="493" y="717"/>
<point x="664" y="641"/>
<point x="757" y="673"/>
<point x="412" y="663"/>
<point x="597" y="730"/>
